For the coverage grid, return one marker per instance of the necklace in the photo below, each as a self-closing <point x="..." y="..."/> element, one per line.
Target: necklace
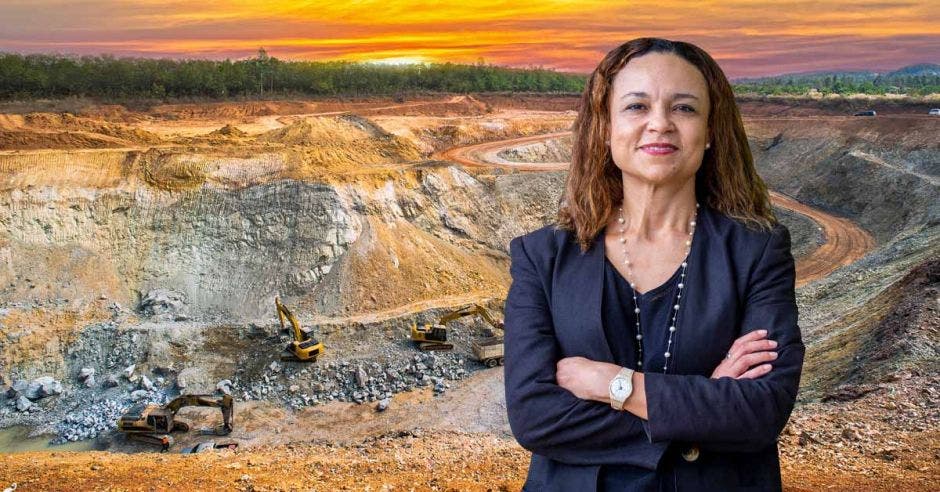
<point x="675" y="307"/>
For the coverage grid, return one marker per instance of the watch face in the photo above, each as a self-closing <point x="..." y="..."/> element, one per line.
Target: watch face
<point x="618" y="387"/>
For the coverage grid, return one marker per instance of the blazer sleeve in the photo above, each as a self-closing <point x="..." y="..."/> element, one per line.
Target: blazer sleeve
<point x="545" y="418"/>
<point x="728" y="414"/>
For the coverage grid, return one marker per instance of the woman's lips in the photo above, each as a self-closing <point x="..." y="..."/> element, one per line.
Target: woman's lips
<point x="658" y="149"/>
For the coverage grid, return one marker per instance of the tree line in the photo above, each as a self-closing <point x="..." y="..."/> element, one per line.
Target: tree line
<point x="104" y="76"/>
<point x="52" y="76"/>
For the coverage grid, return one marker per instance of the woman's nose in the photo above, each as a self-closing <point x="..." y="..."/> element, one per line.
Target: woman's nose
<point x="659" y="120"/>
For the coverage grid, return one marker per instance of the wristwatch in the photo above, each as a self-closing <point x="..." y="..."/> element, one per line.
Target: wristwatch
<point x="620" y="388"/>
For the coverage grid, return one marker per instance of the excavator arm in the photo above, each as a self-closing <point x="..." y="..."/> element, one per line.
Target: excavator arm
<point x="225" y="402"/>
<point x="282" y="311"/>
<point x="304" y="347"/>
<point x="470" y="311"/>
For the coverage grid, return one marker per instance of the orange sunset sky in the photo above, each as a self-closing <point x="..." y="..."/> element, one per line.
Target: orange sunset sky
<point x="748" y="38"/>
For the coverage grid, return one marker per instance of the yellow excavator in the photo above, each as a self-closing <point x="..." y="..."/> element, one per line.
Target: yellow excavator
<point x="434" y="336"/>
<point x="153" y="423"/>
<point x="303" y="347"/>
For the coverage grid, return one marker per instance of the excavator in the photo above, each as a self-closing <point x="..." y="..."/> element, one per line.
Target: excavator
<point x="153" y="423"/>
<point x="303" y="347"/>
<point x="434" y="336"/>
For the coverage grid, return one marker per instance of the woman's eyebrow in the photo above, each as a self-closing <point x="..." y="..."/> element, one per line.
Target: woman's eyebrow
<point x="678" y="95"/>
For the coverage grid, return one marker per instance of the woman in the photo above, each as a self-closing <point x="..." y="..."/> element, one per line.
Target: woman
<point x="651" y="334"/>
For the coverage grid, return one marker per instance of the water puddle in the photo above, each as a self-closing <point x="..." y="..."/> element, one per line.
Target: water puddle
<point x="17" y="440"/>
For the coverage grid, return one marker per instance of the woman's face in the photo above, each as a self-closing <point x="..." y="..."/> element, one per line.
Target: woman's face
<point x="659" y="98"/>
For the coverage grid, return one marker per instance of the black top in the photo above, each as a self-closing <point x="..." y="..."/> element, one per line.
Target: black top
<point x="619" y="319"/>
<point x="619" y="322"/>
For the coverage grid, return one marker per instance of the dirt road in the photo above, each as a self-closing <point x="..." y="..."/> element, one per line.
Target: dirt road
<point x="845" y="242"/>
<point x="484" y="154"/>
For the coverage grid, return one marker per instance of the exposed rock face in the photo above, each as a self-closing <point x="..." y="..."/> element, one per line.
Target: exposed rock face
<point x="882" y="174"/>
<point x="220" y="253"/>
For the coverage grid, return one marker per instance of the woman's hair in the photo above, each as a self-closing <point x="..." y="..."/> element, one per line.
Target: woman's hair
<point x="727" y="180"/>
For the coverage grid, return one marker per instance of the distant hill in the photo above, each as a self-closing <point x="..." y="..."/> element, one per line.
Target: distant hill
<point x="929" y="69"/>
<point x="919" y="69"/>
<point x="915" y="80"/>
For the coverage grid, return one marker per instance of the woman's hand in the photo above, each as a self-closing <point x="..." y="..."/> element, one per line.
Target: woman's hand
<point x="585" y="378"/>
<point x="746" y="352"/>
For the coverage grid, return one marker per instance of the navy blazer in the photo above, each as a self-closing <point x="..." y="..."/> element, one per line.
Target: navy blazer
<point x="738" y="280"/>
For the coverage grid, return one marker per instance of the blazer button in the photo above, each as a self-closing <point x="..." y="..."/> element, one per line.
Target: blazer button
<point x="691" y="453"/>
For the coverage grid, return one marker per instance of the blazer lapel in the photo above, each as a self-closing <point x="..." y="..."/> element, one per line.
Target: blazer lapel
<point x="576" y="303"/>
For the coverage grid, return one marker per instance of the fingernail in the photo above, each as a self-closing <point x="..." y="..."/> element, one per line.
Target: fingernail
<point x="762" y="332"/>
<point x="774" y="354"/>
<point x="773" y="343"/>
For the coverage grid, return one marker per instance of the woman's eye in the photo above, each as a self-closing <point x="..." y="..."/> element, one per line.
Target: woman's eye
<point x="683" y="107"/>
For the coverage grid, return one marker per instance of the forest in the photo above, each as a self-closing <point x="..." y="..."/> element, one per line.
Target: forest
<point x="52" y="76"/>
<point x="263" y="76"/>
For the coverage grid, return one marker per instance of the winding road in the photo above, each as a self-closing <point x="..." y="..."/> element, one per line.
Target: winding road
<point x="844" y="241"/>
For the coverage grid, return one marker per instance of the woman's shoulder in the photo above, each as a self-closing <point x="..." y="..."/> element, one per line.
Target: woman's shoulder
<point x="741" y="236"/>
<point x="544" y="239"/>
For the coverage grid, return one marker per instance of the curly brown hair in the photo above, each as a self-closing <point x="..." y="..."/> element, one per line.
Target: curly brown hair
<point x="727" y="180"/>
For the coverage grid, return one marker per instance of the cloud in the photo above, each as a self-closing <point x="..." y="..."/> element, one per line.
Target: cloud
<point x="747" y="37"/>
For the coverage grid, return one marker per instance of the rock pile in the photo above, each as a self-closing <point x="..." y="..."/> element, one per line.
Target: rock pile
<point x="354" y="381"/>
<point x="23" y="393"/>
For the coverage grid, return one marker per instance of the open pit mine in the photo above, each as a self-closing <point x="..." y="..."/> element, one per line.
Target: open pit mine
<point x="280" y="260"/>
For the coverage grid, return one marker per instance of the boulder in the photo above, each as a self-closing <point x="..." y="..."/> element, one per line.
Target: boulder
<point x="86" y="373"/>
<point x="23" y="404"/>
<point x="225" y="386"/>
<point x="362" y="377"/>
<point x="383" y="404"/>
<point x="42" y="387"/>
<point x="164" y="304"/>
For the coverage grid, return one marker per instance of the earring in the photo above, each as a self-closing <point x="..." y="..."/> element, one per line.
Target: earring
<point x="708" y="145"/>
<point x="607" y="143"/>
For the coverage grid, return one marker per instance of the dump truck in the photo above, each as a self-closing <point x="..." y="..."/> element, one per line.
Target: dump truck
<point x="488" y="350"/>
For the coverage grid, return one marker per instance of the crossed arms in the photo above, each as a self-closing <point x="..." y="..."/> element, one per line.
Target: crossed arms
<point x="720" y="414"/>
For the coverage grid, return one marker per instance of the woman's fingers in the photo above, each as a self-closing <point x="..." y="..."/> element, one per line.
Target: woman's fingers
<point x="757" y="346"/>
<point x="747" y="337"/>
<point x="756" y="372"/>
<point x="744" y="362"/>
<point x="748" y="355"/>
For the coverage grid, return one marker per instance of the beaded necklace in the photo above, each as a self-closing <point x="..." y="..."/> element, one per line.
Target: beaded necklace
<point x="675" y="307"/>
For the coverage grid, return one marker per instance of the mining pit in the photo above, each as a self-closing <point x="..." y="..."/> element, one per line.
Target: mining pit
<point x="141" y="251"/>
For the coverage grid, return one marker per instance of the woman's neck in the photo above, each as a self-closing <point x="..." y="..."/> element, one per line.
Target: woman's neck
<point x="652" y="211"/>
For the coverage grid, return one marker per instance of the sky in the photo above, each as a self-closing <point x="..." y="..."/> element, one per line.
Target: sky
<point x="748" y="38"/>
